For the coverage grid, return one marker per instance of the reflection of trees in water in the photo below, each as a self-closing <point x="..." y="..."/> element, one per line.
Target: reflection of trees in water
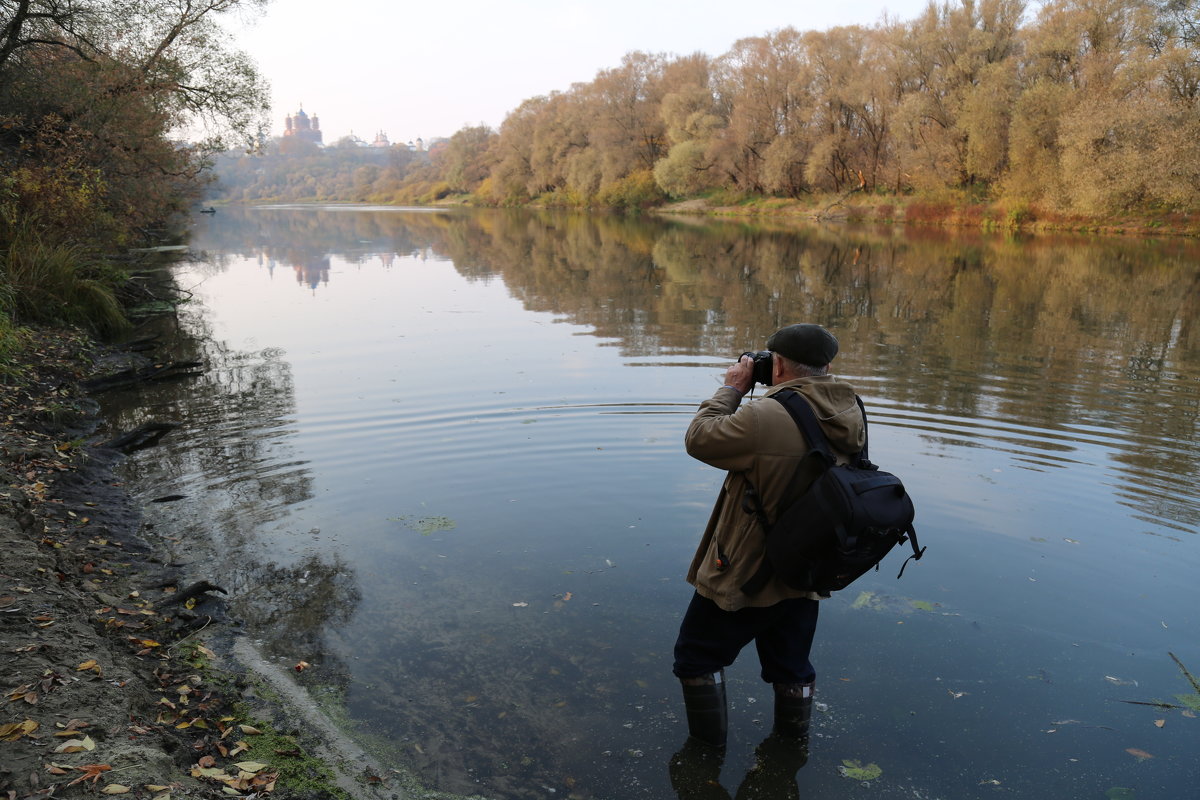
<point x="232" y="460"/>
<point x="1048" y="332"/>
<point x="1053" y="333"/>
<point x="233" y="424"/>
<point x="304" y="239"/>
<point x="294" y="609"/>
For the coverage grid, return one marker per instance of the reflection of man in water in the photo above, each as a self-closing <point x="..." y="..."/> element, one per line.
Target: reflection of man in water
<point x="760" y="443"/>
<point x="696" y="771"/>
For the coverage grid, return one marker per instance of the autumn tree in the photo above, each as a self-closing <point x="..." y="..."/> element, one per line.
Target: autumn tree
<point x="691" y="120"/>
<point x="467" y="159"/>
<point x="955" y="55"/>
<point x="855" y="89"/>
<point x="94" y="97"/>
<point x="757" y="82"/>
<point x="1087" y="105"/>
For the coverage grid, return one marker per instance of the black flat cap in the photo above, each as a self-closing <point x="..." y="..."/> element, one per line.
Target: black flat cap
<point x="806" y="343"/>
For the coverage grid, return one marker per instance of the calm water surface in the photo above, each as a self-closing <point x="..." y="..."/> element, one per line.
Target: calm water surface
<point x="439" y="456"/>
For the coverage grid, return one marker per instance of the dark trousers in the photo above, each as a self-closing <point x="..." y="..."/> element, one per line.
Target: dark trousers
<point x="710" y="638"/>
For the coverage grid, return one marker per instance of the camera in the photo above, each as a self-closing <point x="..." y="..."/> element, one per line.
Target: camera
<point x="762" y="366"/>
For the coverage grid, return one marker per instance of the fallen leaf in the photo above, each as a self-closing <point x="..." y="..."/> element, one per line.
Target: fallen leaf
<point x="115" y="788"/>
<point x="15" y="731"/>
<point x="250" y="730"/>
<point x="520" y="605"/>
<point x="1140" y="755"/>
<point x="251" y="766"/>
<point x="76" y="745"/>
<point x="23" y="693"/>
<point x="302" y="665"/>
<point x="91" y="772"/>
<point x="1158" y="723"/>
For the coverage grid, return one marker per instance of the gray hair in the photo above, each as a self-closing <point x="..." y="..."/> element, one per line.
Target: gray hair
<point x="798" y="370"/>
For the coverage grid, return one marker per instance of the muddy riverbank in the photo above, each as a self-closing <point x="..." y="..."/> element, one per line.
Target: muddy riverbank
<point x="122" y="671"/>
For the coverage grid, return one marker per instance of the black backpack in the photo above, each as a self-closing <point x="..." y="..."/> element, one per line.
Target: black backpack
<point x="847" y="520"/>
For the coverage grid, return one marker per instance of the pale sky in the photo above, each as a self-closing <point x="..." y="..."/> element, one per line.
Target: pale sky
<point x="427" y="69"/>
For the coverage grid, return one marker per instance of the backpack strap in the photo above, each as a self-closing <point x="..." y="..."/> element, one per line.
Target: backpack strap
<point x="918" y="551"/>
<point x="806" y="418"/>
<point x="801" y="412"/>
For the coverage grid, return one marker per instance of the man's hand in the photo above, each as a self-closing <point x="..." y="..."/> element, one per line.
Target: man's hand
<point x="741" y="375"/>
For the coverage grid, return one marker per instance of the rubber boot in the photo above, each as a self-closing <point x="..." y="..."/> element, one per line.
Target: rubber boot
<point x="793" y="709"/>
<point x="704" y="702"/>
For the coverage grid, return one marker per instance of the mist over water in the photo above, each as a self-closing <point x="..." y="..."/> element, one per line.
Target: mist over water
<point x="438" y="456"/>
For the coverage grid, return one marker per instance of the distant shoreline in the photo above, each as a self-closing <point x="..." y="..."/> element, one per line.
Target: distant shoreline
<point x="881" y="210"/>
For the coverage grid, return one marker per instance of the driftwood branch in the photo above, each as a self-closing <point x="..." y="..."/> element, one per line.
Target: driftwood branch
<point x="197" y="589"/>
<point x="134" y="376"/>
<point x="862" y="185"/>
<point x="144" y="435"/>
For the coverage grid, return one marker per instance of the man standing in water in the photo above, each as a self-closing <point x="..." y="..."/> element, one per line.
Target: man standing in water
<point x="759" y="445"/>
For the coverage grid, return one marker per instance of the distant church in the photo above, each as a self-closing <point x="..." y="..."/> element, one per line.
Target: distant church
<point x="303" y="127"/>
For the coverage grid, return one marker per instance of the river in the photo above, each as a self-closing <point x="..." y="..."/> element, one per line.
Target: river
<point x="438" y="456"/>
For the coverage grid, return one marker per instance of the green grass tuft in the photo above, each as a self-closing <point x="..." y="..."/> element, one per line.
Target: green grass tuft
<point x="57" y="283"/>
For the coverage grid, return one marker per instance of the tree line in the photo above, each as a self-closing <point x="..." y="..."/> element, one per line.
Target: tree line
<point x="290" y="169"/>
<point x="98" y="102"/>
<point x="1083" y="106"/>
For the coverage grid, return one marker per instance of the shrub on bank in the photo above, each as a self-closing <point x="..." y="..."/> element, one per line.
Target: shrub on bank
<point x="635" y="190"/>
<point x="58" y="284"/>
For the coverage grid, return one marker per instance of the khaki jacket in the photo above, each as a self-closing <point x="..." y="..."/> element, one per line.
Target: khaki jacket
<point x="760" y="441"/>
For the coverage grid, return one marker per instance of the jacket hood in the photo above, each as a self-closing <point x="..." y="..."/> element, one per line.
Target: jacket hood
<point x="834" y="403"/>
